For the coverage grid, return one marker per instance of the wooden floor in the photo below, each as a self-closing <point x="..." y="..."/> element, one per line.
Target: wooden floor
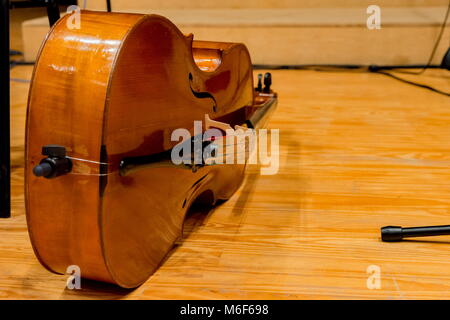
<point x="358" y="151"/>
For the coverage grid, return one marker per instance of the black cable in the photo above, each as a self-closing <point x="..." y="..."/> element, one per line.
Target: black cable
<point x="372" y="68"/>
<point x="375" y="67"/>
<point x="314" y="67"/>
<point x="414" y="83"/>
<point x="433" y="52"/>
<point x="441" y="32"/>
<point x="346" y="68"/>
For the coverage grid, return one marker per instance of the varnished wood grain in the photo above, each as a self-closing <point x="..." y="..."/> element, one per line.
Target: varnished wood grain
<point x="66" y="107"/>
<point x="115" y="89"/>
<point x="358" y="151"/>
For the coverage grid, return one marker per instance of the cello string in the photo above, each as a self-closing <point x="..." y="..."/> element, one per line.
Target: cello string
<point x="210" y="139"/>
<point x="86" y="160"/>
<point x="224" y="162"/>
<point x="91" y="174"/>
<point x="109" y="163"/>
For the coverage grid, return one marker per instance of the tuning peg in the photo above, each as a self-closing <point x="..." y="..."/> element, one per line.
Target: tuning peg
<point x="259" y="87"/>
<point x="267" y="82"/>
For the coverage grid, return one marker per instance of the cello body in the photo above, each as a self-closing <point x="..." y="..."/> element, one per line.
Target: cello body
<point x="114" y="89"/>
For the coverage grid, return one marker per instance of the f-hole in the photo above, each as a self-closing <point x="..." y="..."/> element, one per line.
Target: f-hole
<point x="202" y="94"/>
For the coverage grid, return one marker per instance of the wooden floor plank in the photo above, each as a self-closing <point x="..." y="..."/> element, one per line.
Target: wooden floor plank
<point x="357" y="151"/>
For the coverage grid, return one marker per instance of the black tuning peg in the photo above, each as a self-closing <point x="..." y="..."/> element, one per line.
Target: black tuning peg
<point x="267" y="82"/>
<point x="259" y="87"/>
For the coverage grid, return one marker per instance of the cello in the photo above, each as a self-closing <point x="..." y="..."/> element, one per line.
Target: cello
<point x="101" y="190"/>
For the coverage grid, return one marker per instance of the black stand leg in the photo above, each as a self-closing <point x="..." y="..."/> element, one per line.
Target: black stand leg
<point x="5" y="165"/>
<point x="5" y="136"/>
<point x="52" y="12"/>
